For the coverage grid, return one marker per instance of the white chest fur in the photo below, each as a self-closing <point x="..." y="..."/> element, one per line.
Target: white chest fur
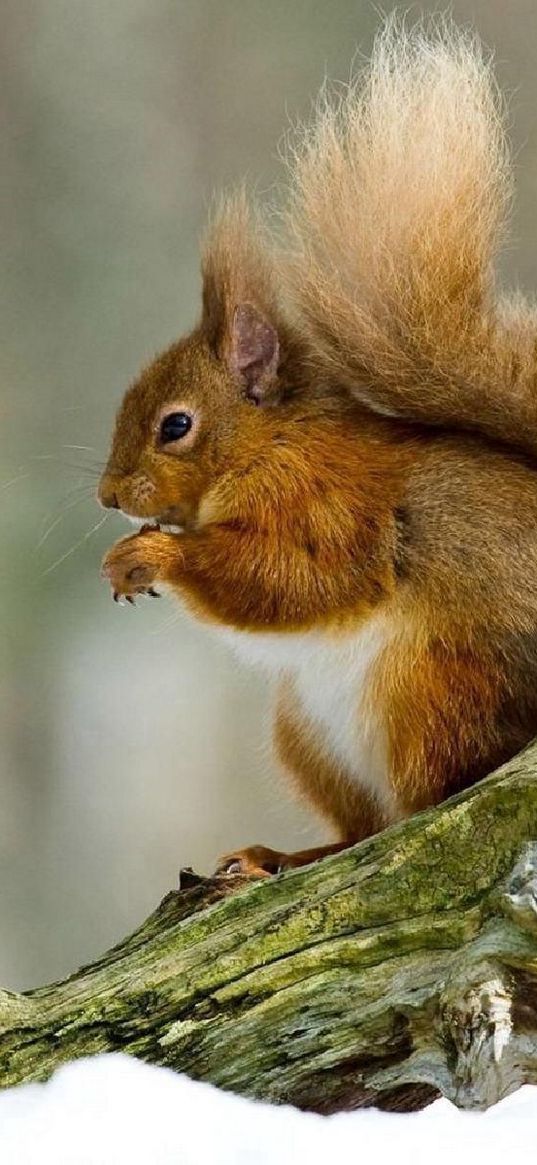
<point x="332" y="679"/>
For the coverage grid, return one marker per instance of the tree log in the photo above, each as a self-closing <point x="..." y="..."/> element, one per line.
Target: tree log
<point x="400" y="969"/>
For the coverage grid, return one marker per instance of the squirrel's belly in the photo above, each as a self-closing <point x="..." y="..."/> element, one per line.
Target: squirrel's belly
<point x="335" y="693"/>
<point x="332" y="677"/>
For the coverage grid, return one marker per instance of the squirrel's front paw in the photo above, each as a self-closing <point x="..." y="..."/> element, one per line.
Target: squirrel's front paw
<point x="133" y="565"/>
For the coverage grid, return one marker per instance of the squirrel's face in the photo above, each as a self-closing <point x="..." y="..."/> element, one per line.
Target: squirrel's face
<point x="175" y="430"/>
<point x="173" y="434"/>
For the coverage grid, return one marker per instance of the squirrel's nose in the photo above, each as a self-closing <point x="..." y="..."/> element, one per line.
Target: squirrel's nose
<point x="107" y="494"/>
<point x="111" y="502"/>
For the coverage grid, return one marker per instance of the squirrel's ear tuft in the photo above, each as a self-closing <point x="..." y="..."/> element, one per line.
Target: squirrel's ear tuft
<point x="240" y="308"/>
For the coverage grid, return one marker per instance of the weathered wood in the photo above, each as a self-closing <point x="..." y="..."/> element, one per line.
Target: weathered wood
<point x="402" y="967"/>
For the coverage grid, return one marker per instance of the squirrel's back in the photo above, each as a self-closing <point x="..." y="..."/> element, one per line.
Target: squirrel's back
<point x="398" y="200"/>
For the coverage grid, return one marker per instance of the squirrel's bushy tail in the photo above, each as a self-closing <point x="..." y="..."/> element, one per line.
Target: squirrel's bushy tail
<point x="399" y="194"/>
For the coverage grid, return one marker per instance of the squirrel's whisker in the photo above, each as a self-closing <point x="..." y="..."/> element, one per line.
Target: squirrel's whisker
<point x="76" y="546"/>
<point x="94" y="467"/>
<point x="84" y="448"/>
<point x="68" y="505"/>
<point x="89" y="470"/>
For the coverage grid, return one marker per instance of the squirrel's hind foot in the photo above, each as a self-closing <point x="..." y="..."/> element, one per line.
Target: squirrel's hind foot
<point x="258" y="861"/>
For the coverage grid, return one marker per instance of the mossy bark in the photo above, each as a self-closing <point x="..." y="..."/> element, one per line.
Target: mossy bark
<point x="401" y="968"/>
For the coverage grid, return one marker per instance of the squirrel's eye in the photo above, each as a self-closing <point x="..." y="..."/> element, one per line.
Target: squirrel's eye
<point x="175" y="426"/>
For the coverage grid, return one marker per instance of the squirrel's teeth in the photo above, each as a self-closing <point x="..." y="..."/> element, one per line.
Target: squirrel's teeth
<point x="168" y="527"/>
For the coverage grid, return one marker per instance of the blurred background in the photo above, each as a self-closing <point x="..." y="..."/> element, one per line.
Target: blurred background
<point x="131" y="742"/>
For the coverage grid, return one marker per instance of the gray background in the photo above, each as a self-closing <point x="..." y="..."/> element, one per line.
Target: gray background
<point x="130" y="741"/>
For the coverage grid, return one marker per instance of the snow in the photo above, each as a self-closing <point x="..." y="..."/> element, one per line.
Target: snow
<point x="115" y="1110"/>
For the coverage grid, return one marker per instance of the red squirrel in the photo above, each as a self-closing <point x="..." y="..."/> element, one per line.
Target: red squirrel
<point x="344" y="450"/>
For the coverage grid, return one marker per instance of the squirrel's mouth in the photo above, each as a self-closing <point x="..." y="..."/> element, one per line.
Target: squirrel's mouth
<point x="159" y="522"/>
<point x="176" y="519"/>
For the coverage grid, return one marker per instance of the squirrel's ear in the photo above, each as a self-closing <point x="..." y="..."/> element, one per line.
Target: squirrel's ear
<point x="240" y="307"/>
<point x="254" y="352"/>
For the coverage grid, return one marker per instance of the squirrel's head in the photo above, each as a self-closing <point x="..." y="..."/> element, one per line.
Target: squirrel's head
<point x="177" y="425"/>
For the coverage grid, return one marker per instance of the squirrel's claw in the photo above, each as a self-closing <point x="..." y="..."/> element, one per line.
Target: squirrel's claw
<point x="256" y="861"/>
<point x="120" y="598"/>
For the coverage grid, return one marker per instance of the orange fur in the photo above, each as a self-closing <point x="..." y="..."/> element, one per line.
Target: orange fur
<point x="399" y="193"/>
<point x="350" y="811"/>
<point x="258" y="557"/>
<point x="442" y="711"/>
<point x="383" y="566"/>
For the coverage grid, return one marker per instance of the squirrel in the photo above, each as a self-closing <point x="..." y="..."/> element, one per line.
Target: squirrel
<point x="343" y="449"/>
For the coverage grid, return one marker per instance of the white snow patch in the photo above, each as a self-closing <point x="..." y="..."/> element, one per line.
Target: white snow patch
<point x="115" y="1110"/>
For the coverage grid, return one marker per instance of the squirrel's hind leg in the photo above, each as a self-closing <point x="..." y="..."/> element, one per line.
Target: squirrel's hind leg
<point x="351" y="812"/>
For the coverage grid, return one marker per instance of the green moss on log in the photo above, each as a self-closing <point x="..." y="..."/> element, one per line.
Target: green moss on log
<point x="400" y="968"/>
